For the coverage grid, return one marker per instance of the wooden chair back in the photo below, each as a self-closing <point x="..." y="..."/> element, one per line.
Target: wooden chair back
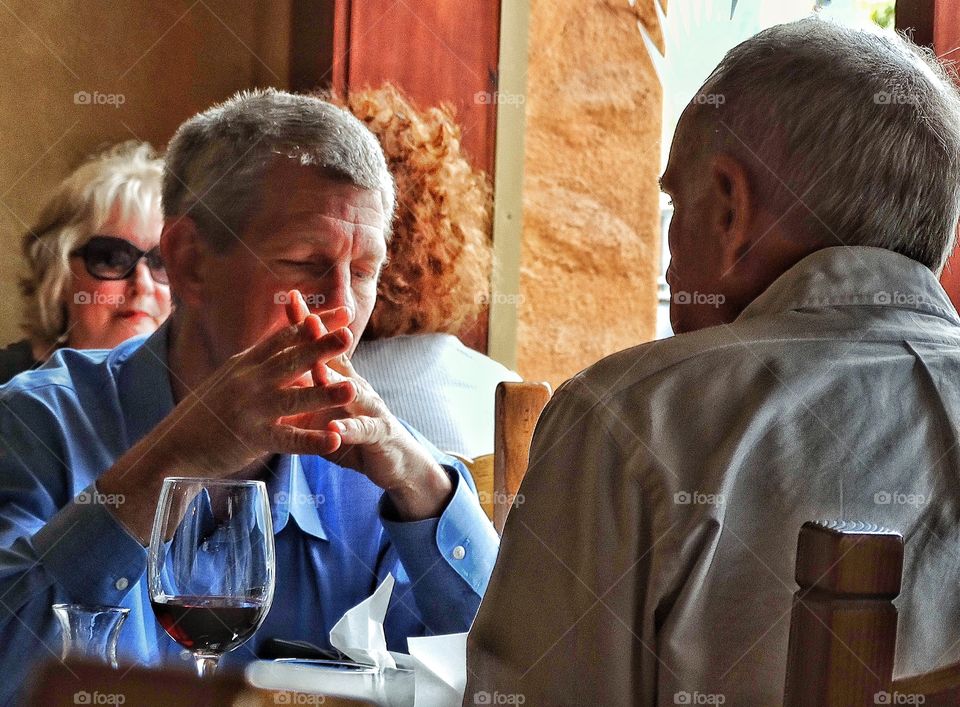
<point x="843" y="629"/>
<point x="498" y="475"/>
<point x="517" y="408"/>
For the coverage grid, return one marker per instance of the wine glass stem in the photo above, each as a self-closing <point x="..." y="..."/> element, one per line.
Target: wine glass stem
<point x="206" y="664"/>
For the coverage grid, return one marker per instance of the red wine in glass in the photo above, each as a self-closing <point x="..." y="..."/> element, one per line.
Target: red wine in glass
<point x="211" y="565"/>
<point x="209" y="624"/>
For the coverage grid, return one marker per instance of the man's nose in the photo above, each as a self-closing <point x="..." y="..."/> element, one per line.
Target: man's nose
<point x="338" y="294"/>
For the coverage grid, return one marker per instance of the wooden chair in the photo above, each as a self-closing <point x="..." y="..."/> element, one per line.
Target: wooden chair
<point x="498" y="475"/>
<point x="518" y="407"/>
<point x="843" y="628"/>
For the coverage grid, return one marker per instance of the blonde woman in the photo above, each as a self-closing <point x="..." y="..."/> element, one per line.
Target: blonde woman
<point x="95" y="277"/>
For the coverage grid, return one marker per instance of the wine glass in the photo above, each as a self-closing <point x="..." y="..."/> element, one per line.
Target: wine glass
<point x="211" y="564"/>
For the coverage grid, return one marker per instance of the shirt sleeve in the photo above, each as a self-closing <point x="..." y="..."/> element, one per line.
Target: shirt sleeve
<point x="447" y="560"/>
<point x="561" y="620"/>
<point x="55" y="546"/>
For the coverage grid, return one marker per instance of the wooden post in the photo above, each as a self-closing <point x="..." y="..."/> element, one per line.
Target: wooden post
<point x="843" y="629"/>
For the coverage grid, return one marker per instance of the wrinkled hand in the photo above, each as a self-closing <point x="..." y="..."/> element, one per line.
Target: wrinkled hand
<point x="247" y="410"/>
<point x="368" y="438"/>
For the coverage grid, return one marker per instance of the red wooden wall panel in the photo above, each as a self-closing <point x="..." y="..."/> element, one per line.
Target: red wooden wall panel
<point x="437" y="51"/>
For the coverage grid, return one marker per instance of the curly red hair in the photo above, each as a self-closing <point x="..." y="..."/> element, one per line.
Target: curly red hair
<point x="437" y="278"/>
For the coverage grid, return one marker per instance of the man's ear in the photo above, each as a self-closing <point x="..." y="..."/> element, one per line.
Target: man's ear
<point x="734" y="208"/>
<point x="184" y="252"/>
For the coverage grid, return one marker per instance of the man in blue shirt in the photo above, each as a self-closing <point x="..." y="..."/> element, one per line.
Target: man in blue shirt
<point x="266" y="196"/>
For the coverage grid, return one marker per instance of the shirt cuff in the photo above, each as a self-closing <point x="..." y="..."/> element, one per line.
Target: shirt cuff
<point x="88" y="552"/>
<point x="462" y="536"/>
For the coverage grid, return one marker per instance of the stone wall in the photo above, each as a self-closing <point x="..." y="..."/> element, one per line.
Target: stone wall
<point x="151" y="65"/>
<point x="590" y="204"/>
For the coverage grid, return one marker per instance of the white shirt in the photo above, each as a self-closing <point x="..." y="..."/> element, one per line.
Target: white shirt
<point x="651" y="557"/>
<point x="439" y="386"/>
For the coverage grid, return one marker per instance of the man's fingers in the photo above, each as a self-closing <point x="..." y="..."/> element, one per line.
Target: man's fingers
<point x="359" y="430"/>
<point x="296" y="307"/>
<point x="283" y="338"/>
<point x="336" y="318"/>
<point x="297" y="360"/>
<point x="287" y="439"/>
<point x="292" y="401"/>
<point x="343" y="366"/>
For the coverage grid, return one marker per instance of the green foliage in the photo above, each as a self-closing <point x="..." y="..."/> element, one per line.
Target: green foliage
<point x="883" y="15"/>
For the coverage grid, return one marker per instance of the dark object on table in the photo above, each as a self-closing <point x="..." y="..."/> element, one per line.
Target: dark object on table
<point x="276" y="648"/>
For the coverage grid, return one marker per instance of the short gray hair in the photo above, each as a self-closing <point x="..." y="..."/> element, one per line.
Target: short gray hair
<point x="217" y="160"/>
<point x="126" y="176"/>
<point x="864" y="126"/>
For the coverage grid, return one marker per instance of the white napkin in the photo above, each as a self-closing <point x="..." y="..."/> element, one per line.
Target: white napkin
<point x="439" y="663"/>
<point x="359" y="633"/>
<point x="440" y="670"/>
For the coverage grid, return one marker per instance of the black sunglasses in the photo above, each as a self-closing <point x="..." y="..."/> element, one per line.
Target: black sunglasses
<point x="112" y="258"/>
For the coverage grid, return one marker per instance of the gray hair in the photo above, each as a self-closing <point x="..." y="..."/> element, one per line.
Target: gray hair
<point x="127" y="176"/>
<point x="218" y="159"/>
<point x="862" y="126"/>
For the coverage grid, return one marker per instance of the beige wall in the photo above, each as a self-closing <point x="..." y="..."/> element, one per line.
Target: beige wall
<point x="166" y="59"/>
<point x="590" y="248"/>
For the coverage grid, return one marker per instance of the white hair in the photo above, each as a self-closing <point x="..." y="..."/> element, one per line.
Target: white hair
<point x="862" y="126"/>
<point x="123" y="180"/>
<point x="218" y="159"/>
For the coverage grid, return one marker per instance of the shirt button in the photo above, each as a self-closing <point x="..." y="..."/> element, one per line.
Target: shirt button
<point x="459" y="553"/>
<point x="122" y="583"/>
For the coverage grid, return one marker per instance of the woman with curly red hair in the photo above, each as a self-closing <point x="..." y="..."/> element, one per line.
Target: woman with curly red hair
<point x="436" y="283"/>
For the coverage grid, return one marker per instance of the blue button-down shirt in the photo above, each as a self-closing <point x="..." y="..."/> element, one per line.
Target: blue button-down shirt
<point x="65" y="424"/>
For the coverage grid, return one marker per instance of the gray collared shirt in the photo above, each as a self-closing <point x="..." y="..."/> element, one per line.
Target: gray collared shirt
<point x="650" y="558"/>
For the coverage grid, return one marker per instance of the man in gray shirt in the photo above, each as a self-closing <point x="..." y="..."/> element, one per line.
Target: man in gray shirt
<point x="816" y="374"/>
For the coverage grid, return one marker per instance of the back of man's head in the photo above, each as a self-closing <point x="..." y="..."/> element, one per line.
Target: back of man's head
<point x="217" y="160"/>
<point x="851" y="136"/>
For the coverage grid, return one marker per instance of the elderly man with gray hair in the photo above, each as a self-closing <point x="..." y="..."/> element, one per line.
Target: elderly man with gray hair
<point x="277" y="209"/>
<point x="816" y="374"/>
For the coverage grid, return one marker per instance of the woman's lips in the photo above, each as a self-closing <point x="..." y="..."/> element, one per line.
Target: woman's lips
<point x="133" y="315"/>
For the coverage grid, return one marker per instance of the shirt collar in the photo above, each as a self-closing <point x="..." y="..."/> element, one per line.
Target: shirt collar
<point x="292" y="495"/>
<point x="855" y="275"/>
<point x="146" y="396"/>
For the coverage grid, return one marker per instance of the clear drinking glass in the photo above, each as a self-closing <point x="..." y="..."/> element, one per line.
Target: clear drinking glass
<point x="211" y="564"/>
<point x="90" y="632"/>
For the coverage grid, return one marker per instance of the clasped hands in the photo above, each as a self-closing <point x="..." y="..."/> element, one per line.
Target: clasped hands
<point x="296" y="392"/>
